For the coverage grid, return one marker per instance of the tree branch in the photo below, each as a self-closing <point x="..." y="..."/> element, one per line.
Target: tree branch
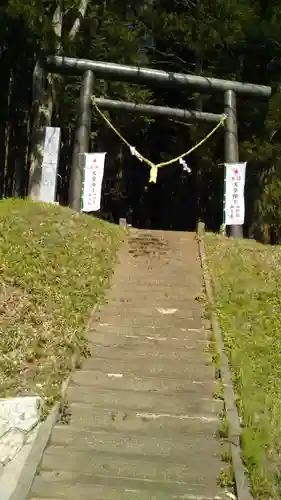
<point x="77" y="23"/>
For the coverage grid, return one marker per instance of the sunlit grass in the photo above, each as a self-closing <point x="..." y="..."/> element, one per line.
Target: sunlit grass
<point x="54" y="266"/>
<point x="247" y="278"/>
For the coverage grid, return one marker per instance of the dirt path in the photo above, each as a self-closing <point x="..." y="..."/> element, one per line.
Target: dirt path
<point x="142" y="418"/>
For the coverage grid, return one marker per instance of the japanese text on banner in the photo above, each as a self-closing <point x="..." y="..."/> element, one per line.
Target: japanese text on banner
<point x="93" y="176"/>
<point x="234" y="193"/>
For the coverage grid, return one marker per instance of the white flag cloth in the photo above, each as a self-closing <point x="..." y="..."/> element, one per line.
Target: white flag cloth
<point x="234" y="193"/>
<point x="93" y="176"/>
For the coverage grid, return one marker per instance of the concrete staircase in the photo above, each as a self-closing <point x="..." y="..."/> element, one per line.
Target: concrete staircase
<point x="141" y="418"/>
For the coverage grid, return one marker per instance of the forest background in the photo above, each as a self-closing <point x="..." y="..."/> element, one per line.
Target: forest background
<point x="226" y="39"/>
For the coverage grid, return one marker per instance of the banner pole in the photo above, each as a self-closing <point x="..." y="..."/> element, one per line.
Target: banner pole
<point x="82" y="163"/>
<point x="224" y="196"/>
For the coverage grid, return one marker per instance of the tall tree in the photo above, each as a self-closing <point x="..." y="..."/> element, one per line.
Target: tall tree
<point x="46" y="92"/>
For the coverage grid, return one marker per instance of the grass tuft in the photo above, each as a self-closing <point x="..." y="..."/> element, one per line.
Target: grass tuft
<point x="54" y="266"/>
<point x="247" y="278"/>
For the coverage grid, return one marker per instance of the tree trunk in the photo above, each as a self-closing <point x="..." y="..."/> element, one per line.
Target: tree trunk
<point x="43" y="110"/>
<point x="4" y="92"/>
<point x="44" y="102"/>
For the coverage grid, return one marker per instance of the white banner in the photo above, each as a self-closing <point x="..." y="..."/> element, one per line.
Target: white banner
<point x="93" y="176"/>
<point x="50" y="165"/>
<point x="234" y="193"/>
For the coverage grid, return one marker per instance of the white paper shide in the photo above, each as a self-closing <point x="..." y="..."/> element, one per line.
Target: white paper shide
<point x="93" y="176"/>
<point x="234" y="193"/>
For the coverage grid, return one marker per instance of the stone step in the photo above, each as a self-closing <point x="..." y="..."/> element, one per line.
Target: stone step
<point x="136" y="299"/>
<point x="143" y="401"/>
<point x="92" y="378"/>
<point x="139" y="288"/>
<point x="154" y="310"/>
<point x="150" y="340"/>
<point x="154" y="263"/>
<point x="163" y="297"/>
<point x="149" y="352"/>
<point x="174" y="448"/>
<point x="64" y="486"/>
<point x="144" y="293"/>
<point x="156" y="269"/>
<point x="156" y="424"/>
<point x="116" y="465"/>
<point x="141" y="367"/>
<point x="159" y="269"/>
<point x="179" y="279"/>
<point x="185" y="333"/>
<point x="161" y="320"/>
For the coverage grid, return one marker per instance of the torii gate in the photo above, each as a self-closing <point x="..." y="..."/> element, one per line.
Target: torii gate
<point x="88" y="69"/>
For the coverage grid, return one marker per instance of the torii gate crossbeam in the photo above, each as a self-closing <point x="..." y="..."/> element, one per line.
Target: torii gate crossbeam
<point x="109" y="70"/>
<point x="151" y="110"/>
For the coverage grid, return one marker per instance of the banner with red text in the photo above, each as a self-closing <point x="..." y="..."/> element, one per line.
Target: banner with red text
<point x="93" y="176"/>
<point x="234" y="205"/>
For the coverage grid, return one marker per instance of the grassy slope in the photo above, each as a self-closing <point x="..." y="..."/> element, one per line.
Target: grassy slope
<point x="54" y="266"/>
<point x="247" y="278"/>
